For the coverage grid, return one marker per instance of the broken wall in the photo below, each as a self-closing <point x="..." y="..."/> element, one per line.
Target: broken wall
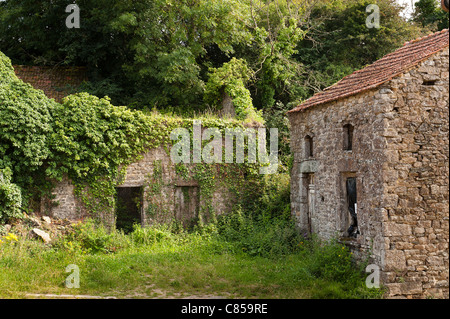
<point x="170" y="193"/>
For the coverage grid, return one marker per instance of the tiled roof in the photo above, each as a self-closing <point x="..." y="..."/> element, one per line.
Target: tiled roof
<point x="382" y="71"/>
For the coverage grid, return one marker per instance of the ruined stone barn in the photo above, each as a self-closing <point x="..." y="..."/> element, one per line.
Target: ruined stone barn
<point x="152" y="191"/>
<point x="372" y="166"/>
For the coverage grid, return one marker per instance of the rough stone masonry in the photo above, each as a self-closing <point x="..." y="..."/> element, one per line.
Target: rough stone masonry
<point x="387" y="127"/>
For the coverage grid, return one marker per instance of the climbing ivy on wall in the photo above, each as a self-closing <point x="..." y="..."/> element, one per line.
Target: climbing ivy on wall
<point x="25" y="124"/>
<point x="85" y="138"/>
<point x="10" y="197"/>
<point x="232" y="79"/>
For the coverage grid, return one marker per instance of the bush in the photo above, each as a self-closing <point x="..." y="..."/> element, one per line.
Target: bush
<point x="25" y="124"/>
<point x="10" y="197"/>
<point x="266" y="237"/>
<point x="148" y="236"/>
<point x="93" y="238"/>
<point x="331" y="260"/>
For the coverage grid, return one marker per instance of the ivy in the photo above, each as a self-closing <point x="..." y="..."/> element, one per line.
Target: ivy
<point x="231" y="79"/>
<point x="25" y="123"/>
<point x="10" y="197"/>
<point x="92" y="142"/>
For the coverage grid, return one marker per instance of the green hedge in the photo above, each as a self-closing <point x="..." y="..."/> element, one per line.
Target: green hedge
<point x="25" y="124"/>
<point x="10" y="197"/>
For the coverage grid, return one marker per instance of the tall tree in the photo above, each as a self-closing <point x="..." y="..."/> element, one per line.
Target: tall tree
<point x="429" y="13"/>
<point x="340" y="42"/>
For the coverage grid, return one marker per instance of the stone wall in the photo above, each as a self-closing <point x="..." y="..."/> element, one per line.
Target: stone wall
<point x="416" y="176"/>
<point x="54" y="81"/>
<point x="400" y="160"/>
<point x="162" y="193"/>
<point x="331" y="165"/>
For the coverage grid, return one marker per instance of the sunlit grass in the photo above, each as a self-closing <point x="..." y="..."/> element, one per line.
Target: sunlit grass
<point x="160" y="264"/>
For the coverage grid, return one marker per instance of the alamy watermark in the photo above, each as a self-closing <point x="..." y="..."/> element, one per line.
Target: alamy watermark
<point x="208" y="147"/>
<point x="373" y="20"/>
<point x="373" y="280"/>
<point x="73" y="280"/>
<point x="73" y="20"/>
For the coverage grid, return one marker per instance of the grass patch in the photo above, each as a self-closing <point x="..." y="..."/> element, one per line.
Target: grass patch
<point x="268" y="261"/>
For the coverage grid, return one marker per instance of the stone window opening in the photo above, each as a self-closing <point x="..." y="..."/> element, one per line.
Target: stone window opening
<point x="429" y="83"/>
<point x="187" y="205"/>
<point x="129" y="204"/>
<point x="348" y="137"/>
<point x="309" y="147"/>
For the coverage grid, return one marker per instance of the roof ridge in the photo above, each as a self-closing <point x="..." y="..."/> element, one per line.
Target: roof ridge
<point x="425" y="37"/>
<point x="382" y="70"/>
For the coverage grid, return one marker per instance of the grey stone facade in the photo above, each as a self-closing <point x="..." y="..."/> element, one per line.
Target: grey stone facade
<point x="166" y="196"/>
<point x="399" y="156"/>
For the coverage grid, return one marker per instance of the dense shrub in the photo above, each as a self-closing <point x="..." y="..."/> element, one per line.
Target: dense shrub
<point x="266" y="237"/>
<point x="92" y="238"/>
<point x="330" y="260"/>
<point x="25" y="124"/>
<point x="10" y="197"/>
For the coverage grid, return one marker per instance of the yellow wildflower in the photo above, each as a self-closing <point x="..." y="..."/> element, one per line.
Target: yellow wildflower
<point x="11" y="237"/>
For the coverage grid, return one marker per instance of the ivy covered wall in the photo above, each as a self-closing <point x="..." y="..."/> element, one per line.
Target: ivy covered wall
<point x="74" y="154"/>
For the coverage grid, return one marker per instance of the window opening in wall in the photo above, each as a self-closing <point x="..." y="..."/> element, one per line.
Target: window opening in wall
<point x="129" y="203"/>
<point x="187" y="205"/>
<point x="309" y="147"/>
<point x="309" y="189"/>
<point x="348" y="137"/>
<point x="352" y="203"/>
<point x="429" y="83"/>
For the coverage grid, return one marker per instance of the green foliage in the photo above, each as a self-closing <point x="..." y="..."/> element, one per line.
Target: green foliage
<point x="232" y="79"/>
<point x="90" y="237"/>
<point x="91" y="137"/>
<point x="330" y="260"/>
<point x="263" y="225"/>
<point x="25" y="124"/>
<point x="171" y="42"/>
<point x="430" y="14"/>
<point x="275" y="117"/>
<point x="149" y="53"/>
<point x="340" y="43"/>
<point x="150" y="236"/>
<point x="270" y="238"/>
<point x="10" y="197"/>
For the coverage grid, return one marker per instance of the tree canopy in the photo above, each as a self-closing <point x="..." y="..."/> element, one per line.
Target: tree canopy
<point x="160" y="53"/>
<point x="429" y="13"/>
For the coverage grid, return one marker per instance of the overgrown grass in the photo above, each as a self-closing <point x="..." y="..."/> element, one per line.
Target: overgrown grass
<point x="238" y="257"/>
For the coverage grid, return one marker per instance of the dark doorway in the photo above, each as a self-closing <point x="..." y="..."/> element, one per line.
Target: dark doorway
<point x="187" y="204"/>
<point x="310" y="188"/>
<point x="128" y="208"/>
<point x="352" y="202"/>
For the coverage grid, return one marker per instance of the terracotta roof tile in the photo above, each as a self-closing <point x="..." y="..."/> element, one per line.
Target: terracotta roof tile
<point x="382" y="71"/>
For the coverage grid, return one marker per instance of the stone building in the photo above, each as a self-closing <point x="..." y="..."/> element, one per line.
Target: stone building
<point x="372" y="166"/>
<point x="152" y="191"/>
